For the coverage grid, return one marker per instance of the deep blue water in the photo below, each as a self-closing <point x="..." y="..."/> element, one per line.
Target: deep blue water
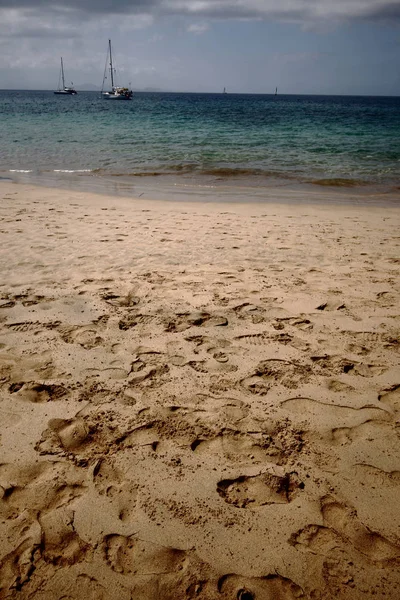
<point x="327" y="139"/>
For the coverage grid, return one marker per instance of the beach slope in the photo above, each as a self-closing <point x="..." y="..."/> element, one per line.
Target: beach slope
<point x="198" y="400"/>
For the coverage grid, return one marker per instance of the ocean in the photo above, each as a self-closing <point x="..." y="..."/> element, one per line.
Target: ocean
<point x="201" y="140"/>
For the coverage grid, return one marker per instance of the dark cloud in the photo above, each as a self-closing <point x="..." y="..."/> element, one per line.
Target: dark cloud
<point x="387" y="12"/>
<point x="89" y="6"/>
<point x="293" y="10"/>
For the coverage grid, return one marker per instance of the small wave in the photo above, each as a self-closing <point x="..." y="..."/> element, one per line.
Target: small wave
<point x="138" y="174"/>
<point x="20" y="170"/>
<point x="231" y="171"/>
<point x="185" y="169"/>
<point x="338" y="182"/>
<point x="72" y="170"/>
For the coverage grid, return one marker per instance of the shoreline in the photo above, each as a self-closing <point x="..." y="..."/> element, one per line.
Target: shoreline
<point x="181" y="189"/>
<point x="198" y="399"/>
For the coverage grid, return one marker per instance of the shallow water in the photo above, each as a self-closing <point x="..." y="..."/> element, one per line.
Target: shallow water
<point x="203" y="138"/>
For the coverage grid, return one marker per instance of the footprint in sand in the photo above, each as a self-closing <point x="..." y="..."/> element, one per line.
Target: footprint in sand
<point x="248" y="491"/>
<point x="104" y="375"/>
<point x="184" y="423"/>
<point x="61" y="544"/>
<point x="149" y="375"/>
<point x="373" y="477"/>
<point x="127" y="322"/>
<point x="364" y="342"/>
<point x="205" y="342"/>
<point x="130" y="555"/>
<point x="211" y="411"/>
<point x="337" y="364"/>
<point x="342" y="527"/>
<point x="316" y="539"/>
<point x="236" y="447"/>
<point x="148" y="434"/>
<point x="359" y="349"/>
<point x="220" y="349"/>
<point x="15" y="368"/>
<point x="209" y="366"/>
<point x="335" y="385"/>
<point x="326" y="415"/>
<point x="269" y="587"/>
<point x="66" y="585"/>
<point x="132" y="319"/>
<point x="8" y="301"/>
<point x="145" y="356"/>
<point x="72" y="432"/>
<point x="87" y="337"/>
<point x="18" y="552"/>
<point x="95" y="392"/>
<point x="264" y="338"/>
<point x="37" y="392"/>
<point x="299" y="323"/>
<point x="31" y="300"/>
<point x="250" y="312"/>
<point x="254" y="339"/>
<point x="331" y="305"/>
<point x="118" y="301"/>
<point x="39" y="486"/>
<point x="344" y="521"/>
<point x="24" y="326"/>
<point x="290" y="340"/>
<point x="122" y="492"/>
<point x="199" y="319"/>
<point x="391" y="397"/>
<point x="275" y="372"/>
<point x="370" y="430"/>
<point x="156" y="571"/>
<point x="63" y="434"/>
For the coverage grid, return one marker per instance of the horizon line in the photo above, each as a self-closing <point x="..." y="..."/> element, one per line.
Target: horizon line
<point x="150" y="91"/>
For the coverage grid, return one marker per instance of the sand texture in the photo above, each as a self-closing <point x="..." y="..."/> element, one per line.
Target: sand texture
<point x="198" y="401"/>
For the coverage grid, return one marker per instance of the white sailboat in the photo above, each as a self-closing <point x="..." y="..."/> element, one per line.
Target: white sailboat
<point x="116" y="92"/>
<point x="64" y="91"/>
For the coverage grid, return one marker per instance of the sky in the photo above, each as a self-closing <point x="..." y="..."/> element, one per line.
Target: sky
<point x="247" y="46"/>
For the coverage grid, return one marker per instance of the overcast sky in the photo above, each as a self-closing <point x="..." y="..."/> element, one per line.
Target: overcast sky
<point x="299" y="46"/>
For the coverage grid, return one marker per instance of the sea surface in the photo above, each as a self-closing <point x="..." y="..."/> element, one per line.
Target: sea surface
<point x="203" y="140"/>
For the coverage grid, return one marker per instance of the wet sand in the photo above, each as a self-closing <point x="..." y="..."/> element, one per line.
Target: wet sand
<point x="198" y="400"/>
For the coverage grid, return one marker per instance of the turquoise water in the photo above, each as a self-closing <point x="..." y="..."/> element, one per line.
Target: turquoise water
<point x="204" y="137"/>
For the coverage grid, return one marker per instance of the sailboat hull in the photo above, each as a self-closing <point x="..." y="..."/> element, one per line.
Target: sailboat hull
<point x="65" y="93"/>
<point x="108" y="96"/>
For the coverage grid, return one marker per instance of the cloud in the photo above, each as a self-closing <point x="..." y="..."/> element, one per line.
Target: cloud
<point x="30" y="23"/>
<point x="198" y="28"/>
<point x="302" y="11"/>
<point x="34" y="32"/>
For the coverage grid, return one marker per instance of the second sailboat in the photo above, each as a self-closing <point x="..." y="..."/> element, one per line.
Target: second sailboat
<point x="117" y="92"/>
<point x="64" y="91"/>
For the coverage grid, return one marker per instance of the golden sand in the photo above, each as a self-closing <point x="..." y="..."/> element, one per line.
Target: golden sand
<point x="198" y="400"/>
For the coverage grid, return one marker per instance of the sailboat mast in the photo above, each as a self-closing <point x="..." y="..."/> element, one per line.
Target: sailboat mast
<point x="62" y="73"/>
<point x="111" y="65"/>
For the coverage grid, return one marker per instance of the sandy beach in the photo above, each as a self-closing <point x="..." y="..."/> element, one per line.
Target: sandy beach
<point x="198" y="400"/>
